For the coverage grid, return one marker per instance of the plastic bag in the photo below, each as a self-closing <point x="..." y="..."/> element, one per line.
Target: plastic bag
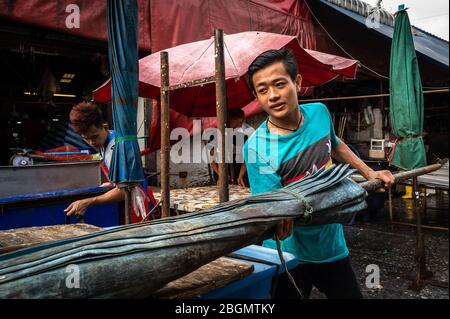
<point x="138" y="202"/>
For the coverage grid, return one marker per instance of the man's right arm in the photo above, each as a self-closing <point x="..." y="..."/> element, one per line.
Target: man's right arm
<point x="79" y="207"/>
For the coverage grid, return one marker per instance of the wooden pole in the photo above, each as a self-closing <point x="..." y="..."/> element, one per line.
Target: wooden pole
<point x="376" y="183"/>
<point x="221" y="113"/>
<point x="165" y="142"/>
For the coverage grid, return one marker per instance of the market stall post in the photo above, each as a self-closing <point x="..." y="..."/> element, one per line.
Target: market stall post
<point x="221" y="113"/>
<point x="165" y="142"/>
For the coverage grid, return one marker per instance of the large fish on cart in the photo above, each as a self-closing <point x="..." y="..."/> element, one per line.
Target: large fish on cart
<point x="133" y="261"/>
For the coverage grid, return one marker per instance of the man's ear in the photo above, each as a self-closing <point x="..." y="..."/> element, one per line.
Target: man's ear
<point x="298" y="82"/>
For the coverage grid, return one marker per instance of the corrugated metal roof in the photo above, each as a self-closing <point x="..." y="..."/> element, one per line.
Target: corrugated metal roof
<point x="425" y="43"/>
<point x="365" y="9"/>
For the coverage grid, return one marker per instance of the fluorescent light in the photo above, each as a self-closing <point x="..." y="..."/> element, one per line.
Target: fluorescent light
<point x="63" y="80"/>
<point x="56" y="94"/>
<point x="68" y="76"/>
<point x="64" y="95"/>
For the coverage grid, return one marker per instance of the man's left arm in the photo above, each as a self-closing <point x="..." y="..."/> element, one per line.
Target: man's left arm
<point x="344" y="154"/>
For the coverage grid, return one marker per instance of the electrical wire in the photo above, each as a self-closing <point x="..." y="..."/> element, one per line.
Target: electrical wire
<point x="343" y="50"/>
<point x="348" y="54"/>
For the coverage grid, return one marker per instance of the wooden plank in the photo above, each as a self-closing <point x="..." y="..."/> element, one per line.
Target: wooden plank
<point x="214" y="275"/>
<point x="18" y="238"/>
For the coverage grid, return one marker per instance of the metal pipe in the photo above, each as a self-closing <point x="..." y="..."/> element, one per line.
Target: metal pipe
<point x="165" y="142"/>
<point x="382" y="110"/>
<point x="358" y="97"/>
<point x="193" y="83"/>
<point x="221" y="113"/>
<point x="375" y="184"/>
<point x="391" y="215"/>
<point x="127" y="206"/>
<point x="420" y="258"/>
<point x="147" y="126"/>
<point x="359" y="124"/>
<point x="423" y="226"/>
<point x="420" y="247"/>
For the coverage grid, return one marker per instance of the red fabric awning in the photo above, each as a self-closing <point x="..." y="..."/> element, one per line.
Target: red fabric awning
<point x="194" y="61"/>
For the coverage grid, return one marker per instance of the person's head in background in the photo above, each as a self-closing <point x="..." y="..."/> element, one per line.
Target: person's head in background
<point x="236" y="118"/>
<point x="274" y="80"/>
<point x="87" y="120"/>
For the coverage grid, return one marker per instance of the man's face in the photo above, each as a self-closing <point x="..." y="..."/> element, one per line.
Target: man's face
<point x="96" y="136"/>
<point x="275" y="90"/>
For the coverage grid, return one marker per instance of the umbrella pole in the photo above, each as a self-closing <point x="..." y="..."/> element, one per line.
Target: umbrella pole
<point x="165" y="142"/>
<point x="421" y="267"/>
<point x="221" y="113"/>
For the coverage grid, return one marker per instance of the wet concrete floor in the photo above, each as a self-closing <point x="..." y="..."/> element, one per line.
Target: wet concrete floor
<point x="392" y="249"/>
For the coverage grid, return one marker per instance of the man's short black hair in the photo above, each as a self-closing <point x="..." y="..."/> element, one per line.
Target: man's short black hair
<point x="270" y="57"/>
<point x="84" y="115"/>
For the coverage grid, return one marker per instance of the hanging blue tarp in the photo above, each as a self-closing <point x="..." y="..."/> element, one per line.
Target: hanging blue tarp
<point x="126" y="166"/>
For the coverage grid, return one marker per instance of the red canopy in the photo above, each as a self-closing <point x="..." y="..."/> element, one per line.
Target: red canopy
<point x="166" y="23"/>
<point x="194" y="61"/>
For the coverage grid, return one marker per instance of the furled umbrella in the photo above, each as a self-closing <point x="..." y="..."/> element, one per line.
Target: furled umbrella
<point x="195" y="62"/>
<point x="406" y="99"/>
<point x="126" y="167"/>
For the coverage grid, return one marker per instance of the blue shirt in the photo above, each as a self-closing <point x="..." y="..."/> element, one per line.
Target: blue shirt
<point x="106" y="152"/>
<point x="274" y="160"/>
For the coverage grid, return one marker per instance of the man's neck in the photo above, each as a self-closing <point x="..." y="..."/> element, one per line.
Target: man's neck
<point x="107" y="140"/>
<point x="286" y="125"/>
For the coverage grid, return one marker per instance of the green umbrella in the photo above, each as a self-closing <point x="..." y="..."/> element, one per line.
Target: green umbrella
<point x="406" y="99"/>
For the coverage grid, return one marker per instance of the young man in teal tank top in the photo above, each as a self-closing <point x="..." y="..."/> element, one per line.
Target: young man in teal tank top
<point x="293" y="141"/>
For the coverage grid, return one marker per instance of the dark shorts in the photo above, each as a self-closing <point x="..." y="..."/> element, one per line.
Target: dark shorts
<point x="336" y="280"/>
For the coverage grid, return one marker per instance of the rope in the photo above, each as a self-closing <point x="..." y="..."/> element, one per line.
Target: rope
<point x="151" y="211"/>
<point x="283" y="262"/>
<point x="126" y="138"/>
<point x="307" y="215"/>
<point x="397" y="141"/>
<point x="308" y="208"/>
